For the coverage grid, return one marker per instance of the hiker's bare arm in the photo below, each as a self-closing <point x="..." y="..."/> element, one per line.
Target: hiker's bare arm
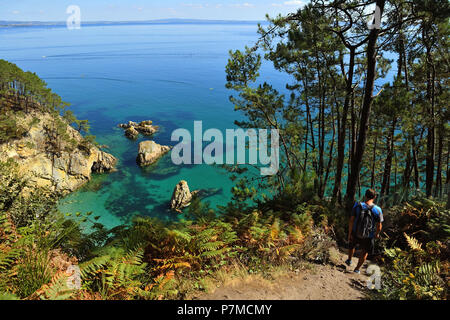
<point x="379" y="227"/>
<point x="350" y="227"/>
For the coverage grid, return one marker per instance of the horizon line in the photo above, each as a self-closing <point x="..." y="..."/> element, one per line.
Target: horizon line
<point x="131" y="21"/>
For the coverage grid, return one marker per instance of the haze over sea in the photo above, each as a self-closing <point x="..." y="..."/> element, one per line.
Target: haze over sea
<point x="172" y="74"/>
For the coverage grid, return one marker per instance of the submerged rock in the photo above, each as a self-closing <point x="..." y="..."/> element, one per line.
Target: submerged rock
<point x="149" y="152"/>
<point x="206" y="193"/>
<point x="181" y="197"/>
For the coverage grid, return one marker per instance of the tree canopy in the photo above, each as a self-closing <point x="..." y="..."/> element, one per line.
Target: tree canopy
<point x="363" y="104"/>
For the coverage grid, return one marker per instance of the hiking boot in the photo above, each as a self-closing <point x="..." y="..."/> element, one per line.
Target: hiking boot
<point x="348" y="262"/>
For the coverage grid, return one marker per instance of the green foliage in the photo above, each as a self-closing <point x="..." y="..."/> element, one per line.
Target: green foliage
<point x="27" y="265"/>
<point x="23" y="262"/>
<point x="57" y="289"/>
<point x="412" y="274"/>
<point x="23" y="205"/>
<point x="115" y="274"/>
<point x="32" y="271"/>
<point x="322" y="121"/>
<point x="83" y="126"/>
<point x="293" y="220"/>
<point x="8" y="296"/>
<point x="416" y="269"/>
<point x="23" y="92"/>
<point x="87" y="143"/>
<point x="425" y="219"/>
<point x="9" y="129"/>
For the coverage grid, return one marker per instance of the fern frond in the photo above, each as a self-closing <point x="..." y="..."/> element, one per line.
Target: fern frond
<point x="56" y="290"/>
<point x="214" y="253"/>
<point x="413" y="243"/>
<point x="428" y="273"/>
<point x="210" y="246"/>
<point x="275" y="229"/>
<point x="178" y="235"/>
<point x="93" y="265"/>
<point x="288" y="250"/>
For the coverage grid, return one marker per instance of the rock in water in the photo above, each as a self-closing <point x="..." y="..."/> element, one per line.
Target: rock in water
<point x="105" y="163"/>
<point x="132" y="129"/>
<point x="150" y="152"/>
<point x="146" y="123"/>
<point x="131" y="133"/>
<point x="128" y="125"/>
<point x="147" y="130"/>
<point x="181" y="197"/>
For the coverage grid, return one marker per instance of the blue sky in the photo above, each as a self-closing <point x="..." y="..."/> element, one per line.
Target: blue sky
<point x="115" y="10"/>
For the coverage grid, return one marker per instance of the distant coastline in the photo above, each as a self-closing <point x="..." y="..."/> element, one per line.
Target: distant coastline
<point x="15" y="24"/>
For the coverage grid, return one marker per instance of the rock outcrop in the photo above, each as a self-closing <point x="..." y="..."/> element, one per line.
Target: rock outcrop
<point x="132" y="129"/>
<point x="181" y="197"/>
<point x="149" y="152"/>
<point x="131" y="133"/>
<point x="105" y="163"/>
<point x="60" y="160"/>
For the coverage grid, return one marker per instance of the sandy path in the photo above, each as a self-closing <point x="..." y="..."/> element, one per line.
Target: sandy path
<point x="322" y="282"/>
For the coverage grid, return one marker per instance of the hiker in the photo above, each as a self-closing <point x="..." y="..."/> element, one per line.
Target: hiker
<point x="364" y="227"/>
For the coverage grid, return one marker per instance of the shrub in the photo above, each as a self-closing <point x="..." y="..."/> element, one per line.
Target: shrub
<point x="416" y="252"/>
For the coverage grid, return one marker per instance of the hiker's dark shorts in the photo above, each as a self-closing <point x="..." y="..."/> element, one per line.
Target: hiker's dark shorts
<point x="367" y="245"/>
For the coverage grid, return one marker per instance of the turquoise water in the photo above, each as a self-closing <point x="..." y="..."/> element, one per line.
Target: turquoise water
<point x="171" y="74"/>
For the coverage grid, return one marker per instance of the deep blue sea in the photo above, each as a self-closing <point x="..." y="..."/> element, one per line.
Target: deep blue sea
<point x="171" y="74"/>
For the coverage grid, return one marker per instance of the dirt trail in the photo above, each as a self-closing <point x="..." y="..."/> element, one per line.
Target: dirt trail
<point x="322" y="282"/>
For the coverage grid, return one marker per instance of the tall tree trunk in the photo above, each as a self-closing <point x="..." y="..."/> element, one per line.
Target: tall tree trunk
<point x="438" y="190"/>
<point x="388" y="162"/>
<point x="337" y="192"/>
<point x="374" y="155"/>
<point x="365" y="112"/>
<point x="415" y="163"/>
<point x="429" y="163"/>
<point x="407" y="171"/>
<point x="447" y="180"/>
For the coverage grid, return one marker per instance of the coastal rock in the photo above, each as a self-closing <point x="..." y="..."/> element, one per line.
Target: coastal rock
<point x="146" y="123"/>
<point x="149" y="152"/>
<point x="128" y="125"/>
<point x="147" y="130"/>
<point x="104" y="163"/>
<point x="181" y="197"/>
<point x="63" y="171"/>
<point x="131" y="133"/>
<point x="132" y="129"/>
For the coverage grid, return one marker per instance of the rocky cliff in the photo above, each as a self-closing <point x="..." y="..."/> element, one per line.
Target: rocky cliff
<point x="53" y="154"/>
